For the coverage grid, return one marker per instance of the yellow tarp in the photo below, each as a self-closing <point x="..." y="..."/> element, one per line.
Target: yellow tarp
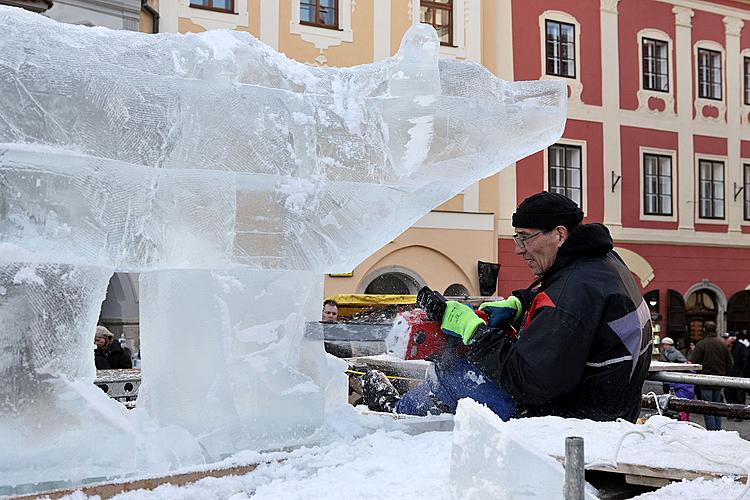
<point x="351" y="303"/>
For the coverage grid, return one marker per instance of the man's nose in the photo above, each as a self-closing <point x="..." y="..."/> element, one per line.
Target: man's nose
<point x="518" y="250"/>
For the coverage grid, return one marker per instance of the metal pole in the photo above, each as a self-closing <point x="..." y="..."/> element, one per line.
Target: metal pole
<point x="574" y="469"/>
<point x="698" y="406"/>
<point x="695" y="379"/>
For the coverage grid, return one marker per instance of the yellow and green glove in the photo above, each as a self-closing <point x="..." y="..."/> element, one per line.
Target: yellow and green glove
<point x="502" y="313"/>
<point x="460" y="321"/>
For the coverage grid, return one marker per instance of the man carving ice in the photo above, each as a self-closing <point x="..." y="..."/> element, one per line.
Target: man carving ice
<point x="584" y="331"/>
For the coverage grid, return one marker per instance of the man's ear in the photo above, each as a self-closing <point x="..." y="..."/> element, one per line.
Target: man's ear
<point x="562" y="235"/>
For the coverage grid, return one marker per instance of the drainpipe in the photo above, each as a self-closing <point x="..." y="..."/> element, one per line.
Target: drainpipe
<point x="154" y="15"/>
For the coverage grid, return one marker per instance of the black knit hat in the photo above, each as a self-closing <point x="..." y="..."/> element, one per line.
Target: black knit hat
<point x="547" y="211"/>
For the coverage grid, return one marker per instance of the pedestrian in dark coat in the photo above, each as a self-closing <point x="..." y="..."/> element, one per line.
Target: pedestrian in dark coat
<point x="117" y="357"/>
<point x="713" y="353"/>
<point x="101" y="338"/>
<point x="739" y="359"/>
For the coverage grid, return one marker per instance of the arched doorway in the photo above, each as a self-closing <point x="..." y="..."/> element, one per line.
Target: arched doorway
<point x="120" y="310"/>
<point x="701" y="306"/>
<point x="677" y="319"/>
<point x="394" y="282"/>
<point x="738" y="312"/>
<point x="456" y="290"/>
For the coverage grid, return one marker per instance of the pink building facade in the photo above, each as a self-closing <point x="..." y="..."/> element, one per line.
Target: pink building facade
<point x="657" y="144"/>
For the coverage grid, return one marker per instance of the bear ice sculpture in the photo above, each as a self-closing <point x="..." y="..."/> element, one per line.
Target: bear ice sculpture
<point x="231" y="178"/>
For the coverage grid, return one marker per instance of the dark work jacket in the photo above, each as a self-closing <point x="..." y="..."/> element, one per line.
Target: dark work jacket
<point x="584" y="345"/>
<point x="117" y="357"/>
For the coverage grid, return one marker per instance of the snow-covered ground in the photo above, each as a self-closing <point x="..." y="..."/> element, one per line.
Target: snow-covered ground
<point x="371" y="457"/>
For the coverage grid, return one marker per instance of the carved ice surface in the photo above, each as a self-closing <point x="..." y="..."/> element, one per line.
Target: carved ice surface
<point x="231" y="178"/>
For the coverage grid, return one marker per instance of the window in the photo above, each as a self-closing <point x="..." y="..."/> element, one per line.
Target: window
<point x="438" y="13"/>
<point x="746" y="191"/>
<point x="560" y="49"/>
<point x="747" y="80"/>
<point x="711" y="196"/>
<point x="655" y="65"/>
<point x="657" y="184"/>
<point x="709" y="74"/>
<point x="321" y="13"/>
<point x="218" y="5"/>
<point x="565" y="171"/>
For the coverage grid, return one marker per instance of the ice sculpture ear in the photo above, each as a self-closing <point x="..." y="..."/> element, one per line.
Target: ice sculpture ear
<point x="416" y="70"/>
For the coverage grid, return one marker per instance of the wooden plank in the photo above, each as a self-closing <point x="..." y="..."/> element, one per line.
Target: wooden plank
<point x="655" y="476"/>
<point x="663" y="366"/>
<point x="655" y="482"/>
<point x="108" y="490"/>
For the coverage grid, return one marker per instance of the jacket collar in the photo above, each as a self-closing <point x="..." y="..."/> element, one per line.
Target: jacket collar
<point x="585" y="240"/>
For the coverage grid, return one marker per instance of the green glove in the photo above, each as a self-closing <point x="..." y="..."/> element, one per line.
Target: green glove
<point x="502" y="313"/>
<point x="460" y="320"/>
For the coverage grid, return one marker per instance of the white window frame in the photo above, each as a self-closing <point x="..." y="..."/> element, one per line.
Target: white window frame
<point x="696" y="193"/>
<point x="459" y="48"/>
<point x="584" y="166"/>
<point x="662" y="152"/>
<point x="644" y="94"/>
<point x="211" y="19"/>
<point x="324" y="38"/>
<point x="700" y="102"/>
<point x="745" y="107"/>
<point x="576" y="87"/>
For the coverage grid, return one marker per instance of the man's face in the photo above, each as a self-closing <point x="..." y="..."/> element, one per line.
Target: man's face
<point x="664" y="347"/>
<point x="100" y="342"/>
<point x="330" y="313"/>
<point x="538" y="248"/>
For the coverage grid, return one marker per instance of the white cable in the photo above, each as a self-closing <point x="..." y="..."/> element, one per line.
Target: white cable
<point x="656" y="401"/>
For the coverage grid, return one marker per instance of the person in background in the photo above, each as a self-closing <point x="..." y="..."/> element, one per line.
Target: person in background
<point x="739" y="359"/>
<point x="668" y="353"/>
<point x="100" y="354"/>
<point x="712" y="352"/>
<point x="330" y="311"/>
<point x="117" y="357"/>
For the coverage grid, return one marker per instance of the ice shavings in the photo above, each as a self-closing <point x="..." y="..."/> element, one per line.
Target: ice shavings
<point x="27" y="275"/>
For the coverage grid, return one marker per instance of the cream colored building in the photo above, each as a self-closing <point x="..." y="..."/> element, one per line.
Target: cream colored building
<point x="443" y="248"/>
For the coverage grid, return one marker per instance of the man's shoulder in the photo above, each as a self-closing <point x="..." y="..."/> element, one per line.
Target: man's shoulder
<point x="594" y="278"/>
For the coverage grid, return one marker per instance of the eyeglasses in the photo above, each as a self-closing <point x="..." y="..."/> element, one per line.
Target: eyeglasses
<point x="521" y="239"/>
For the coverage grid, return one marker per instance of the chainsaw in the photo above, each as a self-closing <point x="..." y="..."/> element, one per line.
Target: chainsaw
<point x="416" y="334"/>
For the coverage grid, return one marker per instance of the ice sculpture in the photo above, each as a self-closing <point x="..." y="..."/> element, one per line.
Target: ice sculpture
<point x="231" y="178"/>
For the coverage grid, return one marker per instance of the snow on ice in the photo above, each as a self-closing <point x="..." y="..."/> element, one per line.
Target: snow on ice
<point x="483" y="458"/>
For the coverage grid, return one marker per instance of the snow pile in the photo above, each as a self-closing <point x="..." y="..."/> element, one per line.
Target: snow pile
<point x="660" y="442"/>
<point x="724" y="488"/>
<point x="375" y="457"/>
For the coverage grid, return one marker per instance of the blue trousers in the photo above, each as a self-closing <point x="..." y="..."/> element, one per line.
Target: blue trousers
<point x="449" y="383"/>
<point x="713" y="423"/>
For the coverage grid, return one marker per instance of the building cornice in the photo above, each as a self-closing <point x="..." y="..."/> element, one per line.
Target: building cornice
<point x="711" y="7"/>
